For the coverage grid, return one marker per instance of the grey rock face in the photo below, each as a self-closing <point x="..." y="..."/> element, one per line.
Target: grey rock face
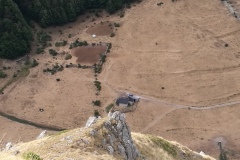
<point x="110" y="149"/>
<point x="119" y="137"/>
<point x="90" y="121"/>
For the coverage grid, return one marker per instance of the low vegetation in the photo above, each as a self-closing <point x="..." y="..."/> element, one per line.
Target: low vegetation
<point x="59" y="44"/>
<point x="31" y="63"/>
<point x="68" y="56"/>
<point x="32" y="156"/>
<point x="2" y="74"/>
<point x="52" y="52"/>
<point x="109" y="107"/>
<point x="169" y="148"/>
<point x="98" y="85"/>
<point x="116" y="25"/>
<point x="112" y="34"/>
<point x="78" y="43"/>
<point x="96" y="113"/>
<point x="55" y="68"/>
<point x="96" y="103"/>
<point x="23" y="72"/>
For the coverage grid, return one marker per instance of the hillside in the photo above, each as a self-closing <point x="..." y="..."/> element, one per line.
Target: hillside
<point x="181" y="58"/>
<point x="104" y="138"/>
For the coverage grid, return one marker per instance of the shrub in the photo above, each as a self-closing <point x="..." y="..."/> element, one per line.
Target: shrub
<point x="96" y="113"/>
<point x="55" y="69"/>
<point x="52" y="52"/>
<point x="34" y="63"/>
<point x="69" y="35"/>
<point x="96" y="14"/>
<point x="77" y="43"/>
<point x="112" y="34"/>
<point x="122" y="15"/>
<point x="4" y="68"/>
<point x="58" y="79"/>
<point x="98" y="85"/>
<point x="109" y="107"/>
<point x="32" y="156"/>
<point x="103" y="58"/>
<point x="59" y="44"/>
<point x="40" y="50"/>
<point x="116" y="25"/>
<point x="68" y="56"/>
<point x="2" y="74"/>
<point x="96" y="103"/>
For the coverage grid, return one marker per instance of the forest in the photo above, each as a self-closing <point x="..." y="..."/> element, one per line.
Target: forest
<point x="16" y="17"/>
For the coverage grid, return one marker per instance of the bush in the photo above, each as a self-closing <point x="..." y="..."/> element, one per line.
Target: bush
<point x="77" y="43"/>
<point x="70" y="36"/>
<point x="68" y="56"/>
<point x="96" y="103"/>
<point x="59" y="44"/>
<point x="58" y="79"/>
<point x="2" y="74"/>
<point x="112" y="34"/>
<point x="98" y="85"/>
<point x="122" y="15"/>
<point x="55" y="69"/>
<point x="32" y="156"/>
<point x="116" y="25"/>
<point x="40" y="50"/>
<point x="96" y="113"/>
<point x="34" y="63"/>
<point x="52" y="52"/>
<point x="109" y="107"/>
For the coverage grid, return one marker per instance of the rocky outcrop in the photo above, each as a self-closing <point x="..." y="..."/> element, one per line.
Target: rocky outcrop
<point x="116" y="136"/>
<point x="119" y="136"/>
<point x="91" y="121"/>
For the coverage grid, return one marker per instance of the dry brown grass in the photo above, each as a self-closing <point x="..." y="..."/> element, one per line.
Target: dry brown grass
<point x="190" y="61"/>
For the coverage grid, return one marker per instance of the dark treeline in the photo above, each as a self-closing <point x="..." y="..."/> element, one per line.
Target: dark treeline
<point x="57" y="12"/>
<point x="15" y="33"/>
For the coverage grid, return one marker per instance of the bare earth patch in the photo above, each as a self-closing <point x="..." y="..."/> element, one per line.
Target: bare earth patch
<point x="89" y="54"/>
<point x="100" y="29"/>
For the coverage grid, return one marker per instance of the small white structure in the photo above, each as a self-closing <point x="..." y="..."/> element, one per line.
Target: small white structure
<point x="136" y="98"/>
<point x="94" y="36"/>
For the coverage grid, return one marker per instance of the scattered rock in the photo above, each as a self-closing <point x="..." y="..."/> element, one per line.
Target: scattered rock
<point x="42" y="134"/>
<point x="90" y="121"/>
<point x="8" y="146"/>
<point x="110" y="149"/>
<point x="16" y="152"/>
<point x="119" y="137"/>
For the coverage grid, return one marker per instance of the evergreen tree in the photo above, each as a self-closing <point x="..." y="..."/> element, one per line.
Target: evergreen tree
<point x="15" y="34"/>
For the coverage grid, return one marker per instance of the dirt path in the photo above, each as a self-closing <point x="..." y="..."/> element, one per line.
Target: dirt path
<point x="157" y="120"/>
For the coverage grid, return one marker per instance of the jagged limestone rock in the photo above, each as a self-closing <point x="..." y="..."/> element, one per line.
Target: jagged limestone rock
<point x="8" y="146"/>
<point x="122" y="151"/>
<point x="90" y="121"/>
<point x="119" y="136"/>
<point x="110" y="149"/>
<point x="93" y="132"/>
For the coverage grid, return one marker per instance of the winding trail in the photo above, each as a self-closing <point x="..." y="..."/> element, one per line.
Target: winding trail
<point x="37" y="125"/>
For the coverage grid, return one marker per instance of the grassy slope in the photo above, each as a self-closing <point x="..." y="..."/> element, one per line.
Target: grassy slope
<point x="71" y="144"/>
